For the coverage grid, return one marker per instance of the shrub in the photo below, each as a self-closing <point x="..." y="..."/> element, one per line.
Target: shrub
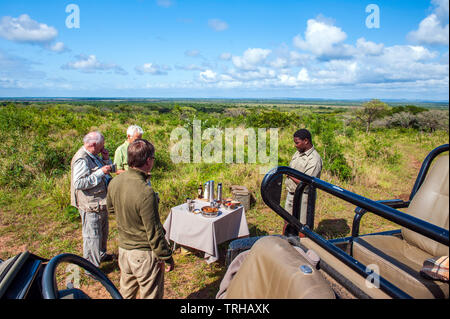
<point x="433" y="120"/>
<point x="412" y="109"/>
<point x="15" y="175"/>
<point x="379" y="149"/>
<point x="270" y="119"/>
<point x="326" y="128"/>
<point x="235" y="112"/>
<point x="333" y="158"/>
<point x="71" y="214"/>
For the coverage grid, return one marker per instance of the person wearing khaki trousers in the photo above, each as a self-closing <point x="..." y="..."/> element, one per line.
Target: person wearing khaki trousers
<point x="143" y="249"/>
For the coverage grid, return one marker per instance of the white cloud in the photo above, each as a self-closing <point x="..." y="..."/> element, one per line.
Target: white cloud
<point x="251" y="59"/>
<point x="323" y="39"/>
<point x="153" y="69"/>
<point x="279" y="63"/>
<point x="288" y="80"/>
<point x="407" y="53"/>
<point x="434" y="29"/>
<point x="90" y="64"/>
<point x="372" y="65"/>
<point x="58" y="47"/>
<point x="25" y="29"/>
<point x="430" y="32"/>
<point x="368" y="47"/>
<point x="217" y="25"/>
<point x="299" y="59"/>
<point x="208" y="76"/>
<point x="441" y="9"/>
<point x="259" y="73"/>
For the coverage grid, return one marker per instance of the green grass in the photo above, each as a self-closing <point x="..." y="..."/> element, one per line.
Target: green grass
<point x="37" y="143"/>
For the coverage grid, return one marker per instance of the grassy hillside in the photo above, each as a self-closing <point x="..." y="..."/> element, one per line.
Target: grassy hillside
<point x="38" y="140"/>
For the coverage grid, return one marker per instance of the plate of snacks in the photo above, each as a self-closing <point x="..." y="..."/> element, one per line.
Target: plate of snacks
<point x="208" y="211"/>
<point x="232" y="204"/>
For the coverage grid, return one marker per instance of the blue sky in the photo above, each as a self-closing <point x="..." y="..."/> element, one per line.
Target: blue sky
<point x="235" y="49"/>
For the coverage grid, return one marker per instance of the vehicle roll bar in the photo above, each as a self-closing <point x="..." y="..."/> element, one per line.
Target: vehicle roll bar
<point x="422" y="227"/>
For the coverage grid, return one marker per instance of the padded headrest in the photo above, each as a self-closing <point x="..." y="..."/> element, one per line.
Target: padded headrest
<point x="430" y="203"/>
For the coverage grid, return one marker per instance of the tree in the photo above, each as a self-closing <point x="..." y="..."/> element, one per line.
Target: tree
<point x="371" y="111"/>
<point x="433" y="120"/>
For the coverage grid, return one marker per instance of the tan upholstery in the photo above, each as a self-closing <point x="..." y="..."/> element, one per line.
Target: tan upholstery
<point x="400" y="263"/>
<point x="272" y="271"/>
<point x="357" y="280"/>
<point x="431" y="204"/>
<point x="400" y="260"/>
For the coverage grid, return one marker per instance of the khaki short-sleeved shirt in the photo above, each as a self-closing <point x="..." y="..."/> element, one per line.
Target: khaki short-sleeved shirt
<point x="121" y="156"/>
<point x="309" y="163"/>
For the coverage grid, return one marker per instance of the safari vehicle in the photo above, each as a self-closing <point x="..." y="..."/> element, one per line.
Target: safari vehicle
<point x="380" y="265"/>
<point x="27" y="276"/>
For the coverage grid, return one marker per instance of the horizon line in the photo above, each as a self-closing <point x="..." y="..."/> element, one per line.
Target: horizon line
<point x="217" y="98"/>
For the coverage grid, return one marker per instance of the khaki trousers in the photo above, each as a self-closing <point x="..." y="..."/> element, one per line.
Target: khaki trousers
<point x="95" y="228"/>
<point x="289" y="204"/>
<point x="141" y="270"/>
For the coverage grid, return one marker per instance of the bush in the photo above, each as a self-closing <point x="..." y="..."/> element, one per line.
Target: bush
<point x="428" y="121"/>
<point x="433" y="120"/>
<point x="71" y="214"/>
<point x="379" y="149"/>
<point x="326" y="128"/>
<point x="271" y="119"/>
<point x="333" y="158"/>
<point x="412" y="109"/>
<point x="235" y="112"/>
<point x="15" y="175"/>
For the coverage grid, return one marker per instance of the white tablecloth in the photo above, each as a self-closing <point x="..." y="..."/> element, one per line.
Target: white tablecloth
<point x="205" y="233"/>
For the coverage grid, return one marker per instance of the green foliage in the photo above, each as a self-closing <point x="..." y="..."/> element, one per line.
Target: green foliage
<point x="38" y="140"/>
<point x="370" y="111"/>
<point x="428" y="121"/>
<point x="326" y="128"/>
<point x="381" y="150"/>
<point x="270" y="118"/>
<point x="433" y="120"/>
<point x="15" y="175"/>
<point x="71" y="214"/>
<point x="407" y="108"/>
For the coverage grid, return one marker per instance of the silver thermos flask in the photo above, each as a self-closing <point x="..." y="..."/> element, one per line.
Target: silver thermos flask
<point x="206" y="191"/>
<point x="219" y="192"/>
<point x="211" y="191"/>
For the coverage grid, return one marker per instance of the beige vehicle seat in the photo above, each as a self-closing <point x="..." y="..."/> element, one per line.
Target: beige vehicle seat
<point x="400" y="260"/>
<point x="272" y="271"/>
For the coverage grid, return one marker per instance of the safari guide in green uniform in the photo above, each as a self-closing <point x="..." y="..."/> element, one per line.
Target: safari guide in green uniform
<point x="306" y="160"/>
<point x="143" y="249"/>
<point x="134" y="132"/>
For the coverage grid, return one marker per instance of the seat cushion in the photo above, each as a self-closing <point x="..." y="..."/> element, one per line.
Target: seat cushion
<point x="430" y="203"/>
<point x="400" y="263"/>
<point x="271" y="270"/>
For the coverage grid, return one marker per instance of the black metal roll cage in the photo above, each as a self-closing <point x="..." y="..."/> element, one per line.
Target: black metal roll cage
<point x="385" y="209"/>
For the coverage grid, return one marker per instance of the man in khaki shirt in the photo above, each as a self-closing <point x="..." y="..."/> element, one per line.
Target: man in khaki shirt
<point x="134" y="132"/>
<point x="306" y="160"/>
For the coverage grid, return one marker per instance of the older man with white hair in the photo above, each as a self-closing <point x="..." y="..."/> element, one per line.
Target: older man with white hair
<point x="89" y="181"/>
<point x="134" y="132"/>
